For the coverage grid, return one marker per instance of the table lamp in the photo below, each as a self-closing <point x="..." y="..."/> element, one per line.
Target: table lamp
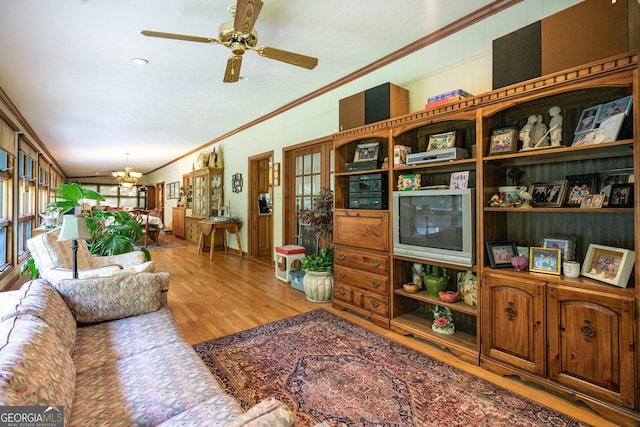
<point x="74" y="227"/>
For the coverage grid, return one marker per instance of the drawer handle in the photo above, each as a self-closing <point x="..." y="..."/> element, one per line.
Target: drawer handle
<point x="375" y="263"/>
<point x="342" y="274"/>
<point x="587" y="331"/>
<point x="511" y="310"/>
<point x="342" y="256"/>
<point x="375" y="283"/>
<point x="375" y="304"/>
<point x="341" y="292"/>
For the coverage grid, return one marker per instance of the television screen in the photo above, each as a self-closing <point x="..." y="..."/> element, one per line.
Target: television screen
<point x="434" y="221"/>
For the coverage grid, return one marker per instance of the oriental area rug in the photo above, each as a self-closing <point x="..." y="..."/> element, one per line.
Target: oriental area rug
<point x="330" y="370"/>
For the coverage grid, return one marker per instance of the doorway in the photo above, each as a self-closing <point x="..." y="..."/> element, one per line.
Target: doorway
<point x="260" y="207"/>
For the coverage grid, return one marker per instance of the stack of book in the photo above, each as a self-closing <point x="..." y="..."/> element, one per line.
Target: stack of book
<point x="444" y="98"/>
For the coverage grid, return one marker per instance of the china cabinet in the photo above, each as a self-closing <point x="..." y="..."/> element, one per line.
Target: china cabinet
<point x="576" y="336"/>
<point x="204" y="198"/>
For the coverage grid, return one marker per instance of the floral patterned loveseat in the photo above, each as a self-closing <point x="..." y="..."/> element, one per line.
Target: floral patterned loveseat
<point x="108" y="350"/>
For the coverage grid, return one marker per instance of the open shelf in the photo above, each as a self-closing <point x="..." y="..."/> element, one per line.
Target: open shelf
<point x="455" y="306"/>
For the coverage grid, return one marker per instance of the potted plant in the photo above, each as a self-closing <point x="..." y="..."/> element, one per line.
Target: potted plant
<point x="318" y="267"/>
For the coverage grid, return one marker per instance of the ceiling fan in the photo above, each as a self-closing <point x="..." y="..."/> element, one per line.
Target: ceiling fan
<point x="239" y="36"/>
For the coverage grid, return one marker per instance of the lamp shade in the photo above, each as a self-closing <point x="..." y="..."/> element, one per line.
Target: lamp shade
<point x="74" y="228"/>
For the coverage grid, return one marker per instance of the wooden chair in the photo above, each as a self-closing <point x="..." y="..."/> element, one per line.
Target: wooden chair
<point x="149" y="231"/>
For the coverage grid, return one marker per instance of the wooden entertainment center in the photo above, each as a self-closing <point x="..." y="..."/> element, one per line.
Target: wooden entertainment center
<point x="575" y="336"/>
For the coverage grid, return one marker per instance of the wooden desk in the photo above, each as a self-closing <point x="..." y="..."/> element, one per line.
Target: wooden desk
<point x="209" y="229"/>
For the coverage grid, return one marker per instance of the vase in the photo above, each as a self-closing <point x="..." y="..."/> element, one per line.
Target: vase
<point x="468" y="288"/>
<point x="318" y="286"/>
<point x="416" y="269"/>
<point x="435" y="284"/>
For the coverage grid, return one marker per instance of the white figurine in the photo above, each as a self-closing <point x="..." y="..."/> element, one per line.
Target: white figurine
<point x="525" y="133"/>
<point x="539" y="133"/>
<point x="555" y="126"/>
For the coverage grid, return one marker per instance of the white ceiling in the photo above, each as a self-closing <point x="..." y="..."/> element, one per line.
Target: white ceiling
<point x="66" y="65"/>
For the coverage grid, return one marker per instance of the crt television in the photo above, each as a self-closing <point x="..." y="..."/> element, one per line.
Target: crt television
<point x="435" y="225"/>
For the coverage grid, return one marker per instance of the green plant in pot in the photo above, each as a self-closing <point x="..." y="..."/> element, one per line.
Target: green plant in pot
<point x="435" y="279"/>
<point x="318" y="267"/>
<point x="112" y="232"/>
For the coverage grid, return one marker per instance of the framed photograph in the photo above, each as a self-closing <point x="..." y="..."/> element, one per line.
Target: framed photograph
<point x="504" y="141"/>
<point x="597" y="200"/>
<point x="587" y="120"/>
<point x="550" y="194"/>
<point x="585" y="138"/>
<point x="578" y="186"/>
<point x="586" y="201"/>
<point x="366" y="152"/>
<point x="618" y="106"/>
<point x="608" y="264"/>
<point x="523" y="251"/>
<point x="442" y="140"/>
<point x="500" y="253"/>
<point x="609" y="178"/>
<point x="545" y="260"/>
<point x="236" y="182"/>
<point x="566" y="244"/>
<point x="621" y="196"/>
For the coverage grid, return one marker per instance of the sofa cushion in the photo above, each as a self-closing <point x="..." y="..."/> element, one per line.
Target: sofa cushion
<point x="107" y="298"/>
<point x="104" y="343"/>
<point x="35" y="368"/>
<point x="39" y="298"/>
<point x="146" y="388"/>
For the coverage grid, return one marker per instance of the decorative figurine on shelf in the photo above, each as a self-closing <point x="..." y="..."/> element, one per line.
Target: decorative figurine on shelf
<point x="525" y="197"/>
<point x="515" y="175"/>
<point x="525" y="133"/>
<point x="416" y="269"/>
<point x="539" y="133"/>
<point x="443" y="321"/>
<point x="555" y="126"/>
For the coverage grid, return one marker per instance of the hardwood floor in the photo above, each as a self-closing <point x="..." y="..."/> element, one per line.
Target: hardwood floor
<point x="214" y="298"/>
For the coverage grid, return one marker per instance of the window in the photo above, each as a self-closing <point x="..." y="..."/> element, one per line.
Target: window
<point x="27" y="197"/>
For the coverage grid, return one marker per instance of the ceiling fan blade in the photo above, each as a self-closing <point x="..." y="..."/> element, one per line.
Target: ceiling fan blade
<point x="232" y="73"/>
<point x="247" y="12"/>
<point x="178" y="37"/>
<point x="304" y="61"/>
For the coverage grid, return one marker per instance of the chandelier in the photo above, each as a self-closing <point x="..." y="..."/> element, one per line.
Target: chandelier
<point x="126" y="178"/>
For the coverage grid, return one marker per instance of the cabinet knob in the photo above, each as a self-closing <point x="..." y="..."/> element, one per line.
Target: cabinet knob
<point x="587" y="331"/>
<point x="341" y="292"/>
<point x="342" y="256"/>
<point x="511" y="310"/>
<point x="342" y="274"/>
<point x="375" y="263"/>
<point x="375" y="283"/>
<point x="375" y="304"/>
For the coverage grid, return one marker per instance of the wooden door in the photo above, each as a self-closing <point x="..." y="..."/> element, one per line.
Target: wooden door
<point x="513" y="321"/>
<point x="591" y="342"/>
<point x="260" y="222"/>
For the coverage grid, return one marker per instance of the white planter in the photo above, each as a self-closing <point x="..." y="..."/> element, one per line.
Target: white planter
<point x="318" y="286"/>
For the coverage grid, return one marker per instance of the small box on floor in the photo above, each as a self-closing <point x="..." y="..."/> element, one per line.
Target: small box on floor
<point x="296" y="279"/>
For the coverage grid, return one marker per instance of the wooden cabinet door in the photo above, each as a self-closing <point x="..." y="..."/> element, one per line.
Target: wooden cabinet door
<point x="591" y="343"/>
<point x="361" y="229"/>
<point x="513" y="326"/>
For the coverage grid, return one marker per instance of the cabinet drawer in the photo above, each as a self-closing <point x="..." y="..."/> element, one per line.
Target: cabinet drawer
<point x="363" y="229"/>
<point x="343" y="293"/>
<point x="357" y="258"/>
<point x="362" y="279"/>
<point x="371" y="302"/>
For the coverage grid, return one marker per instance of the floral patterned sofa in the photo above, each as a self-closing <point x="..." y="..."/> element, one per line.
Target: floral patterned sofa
<point x="53" y="259"/>
<point x="108" y="350"/>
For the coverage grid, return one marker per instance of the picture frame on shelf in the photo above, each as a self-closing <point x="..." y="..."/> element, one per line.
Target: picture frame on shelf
<point x="608" y="178"/>
<point x="523" y="251"/>
<point x="441" y="141"/>
<point x="587" y="121"/>
<point x="503" y="141"/>
<point x="597" y="200"/>
<point x="500" y="253"/>
<point x="459" y="180"/>
<point x="548" y="194"/>
<point x="612" y="108"/>
<point x="578" y="186"/>
<point x="366" y="152"/>
<point x="586" y="201"/>
<point x="621" y="196"/>
<point x="608" y="264"/>
<point x="566" y="244"/>
<point x="545" y="260"/>
<point x="409" y="181"/>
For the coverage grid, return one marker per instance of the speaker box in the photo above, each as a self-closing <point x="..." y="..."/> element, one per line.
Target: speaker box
<point x="517" y="56"/>
<point x="373" y="105"/>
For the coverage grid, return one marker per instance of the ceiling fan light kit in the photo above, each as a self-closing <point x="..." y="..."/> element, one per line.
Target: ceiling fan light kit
<point x="240" y="36"/>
